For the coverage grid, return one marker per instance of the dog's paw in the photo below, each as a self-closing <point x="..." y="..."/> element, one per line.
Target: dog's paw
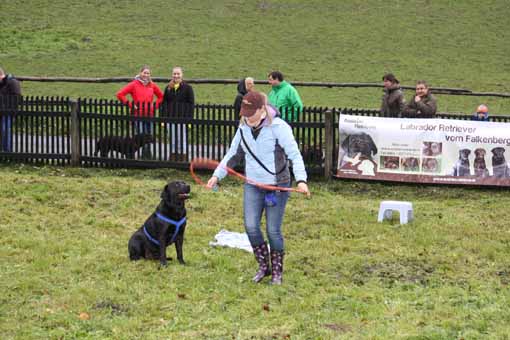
<point x="181" y="261"/>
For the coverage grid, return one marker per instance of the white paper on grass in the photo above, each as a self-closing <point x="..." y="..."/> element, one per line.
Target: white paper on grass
<point x="232" y="239"/>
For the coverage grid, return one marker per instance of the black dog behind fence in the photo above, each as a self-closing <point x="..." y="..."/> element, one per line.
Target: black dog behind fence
<point x="107" y="133"/>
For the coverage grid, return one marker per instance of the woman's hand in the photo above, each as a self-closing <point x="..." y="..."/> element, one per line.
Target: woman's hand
<point x="212" y="182"/>
<point x="302" y="186"/>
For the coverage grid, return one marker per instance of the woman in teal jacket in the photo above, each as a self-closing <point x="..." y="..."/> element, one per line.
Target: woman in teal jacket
<point x="266" y="143"/>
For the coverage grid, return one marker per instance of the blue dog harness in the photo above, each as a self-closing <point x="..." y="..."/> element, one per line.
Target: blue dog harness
<point x="177" y="225"/>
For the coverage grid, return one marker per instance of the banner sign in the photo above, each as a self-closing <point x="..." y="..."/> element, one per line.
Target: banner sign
<point x="424" y="150"/>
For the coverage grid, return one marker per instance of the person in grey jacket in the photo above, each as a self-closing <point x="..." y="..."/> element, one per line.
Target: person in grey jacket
<point x="423" y="104"/>
<point x="266" y="143"/>
<point x="393" y="99"/>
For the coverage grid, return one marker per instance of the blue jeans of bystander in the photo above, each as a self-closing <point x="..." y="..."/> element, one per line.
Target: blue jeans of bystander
<point x="178" y="137"/>
<point x="6" y="133"/>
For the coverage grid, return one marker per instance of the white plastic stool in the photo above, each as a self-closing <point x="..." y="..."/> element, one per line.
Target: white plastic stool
<point x="405" y="210"/>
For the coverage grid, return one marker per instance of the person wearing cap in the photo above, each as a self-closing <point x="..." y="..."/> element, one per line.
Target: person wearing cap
<point x="393" y="99"/>
<point x="284" y="96"/>
<point x="10" y="91"/>
<point x="481" y="114"/>
<point x="422" y="105"/>
<point x="266" y="143"/>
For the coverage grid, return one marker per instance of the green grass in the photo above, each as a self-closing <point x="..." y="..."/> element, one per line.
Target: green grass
<point x="64" y="234"/>
<point x="450" y="44"/>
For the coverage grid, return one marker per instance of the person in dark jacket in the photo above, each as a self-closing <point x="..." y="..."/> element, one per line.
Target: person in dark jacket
<point x="423" y="104"/>
<point x="9" y="90"/>
<point x="178" y="102"/>
<point x="245" y="85"/>
<point x="393" y="99"/>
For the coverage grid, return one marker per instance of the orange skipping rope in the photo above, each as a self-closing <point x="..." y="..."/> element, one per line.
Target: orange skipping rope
<point x="204" y="163"/>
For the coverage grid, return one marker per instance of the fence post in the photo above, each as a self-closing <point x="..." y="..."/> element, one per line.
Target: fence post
<point x="329" y="147"/>
<point x="75" y="134"/>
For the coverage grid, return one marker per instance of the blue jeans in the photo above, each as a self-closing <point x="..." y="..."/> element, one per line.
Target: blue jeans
<point x="254" y="204"/>
<point x="6" y="133"/>
<point x="178" y="133"/>
<point x="143" y="127"/>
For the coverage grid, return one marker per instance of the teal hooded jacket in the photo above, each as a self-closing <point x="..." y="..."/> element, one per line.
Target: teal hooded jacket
<point x="286" y="99"/>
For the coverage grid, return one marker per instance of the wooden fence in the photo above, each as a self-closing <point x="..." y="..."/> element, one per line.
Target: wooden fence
<point x="103" y="133"/>
<point x="63" y="131"/>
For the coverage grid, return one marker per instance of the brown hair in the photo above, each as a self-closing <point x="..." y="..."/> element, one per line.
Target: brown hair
<point x="422" y="82"/>
<point x="145" y="67"/>
<point x="390" y="77"/>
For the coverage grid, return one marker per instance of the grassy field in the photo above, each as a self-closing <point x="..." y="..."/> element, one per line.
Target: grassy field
<point x="450" y="44"/>
<point x="65" y="272"/>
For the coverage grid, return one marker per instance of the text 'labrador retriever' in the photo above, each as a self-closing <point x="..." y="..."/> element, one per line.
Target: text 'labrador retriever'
<point x="164" y="226"/>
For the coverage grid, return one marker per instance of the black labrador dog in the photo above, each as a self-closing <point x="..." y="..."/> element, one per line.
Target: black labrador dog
<point x="500" y="168"/>
<point x="462" y="166"/>
<point x="360" y="143"/>
<point x="125" y="145"/>
<point x="164" y="226"/>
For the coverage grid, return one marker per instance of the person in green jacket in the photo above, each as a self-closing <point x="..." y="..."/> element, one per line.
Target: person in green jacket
<point x="284" y="96"/>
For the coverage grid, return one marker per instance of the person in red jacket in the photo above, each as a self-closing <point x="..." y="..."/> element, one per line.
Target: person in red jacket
<point x="142" y="91"/>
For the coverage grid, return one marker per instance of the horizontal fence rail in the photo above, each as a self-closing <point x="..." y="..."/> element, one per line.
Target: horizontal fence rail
<point x="108" y="133"/>
<point x="435" y="90"/>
